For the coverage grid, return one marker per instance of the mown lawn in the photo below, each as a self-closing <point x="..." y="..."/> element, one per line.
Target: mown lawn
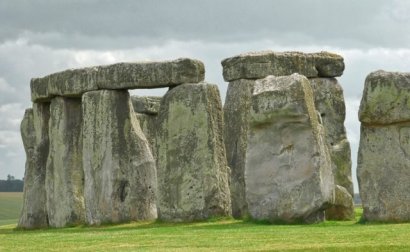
<point x="10" y="207"/>
<point x="218" y="235"/>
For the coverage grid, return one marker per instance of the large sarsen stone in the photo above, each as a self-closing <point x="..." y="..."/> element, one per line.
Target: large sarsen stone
<point x="65" y="176"/>
<point x="34" y="132"/>
<point x="192" y="172"/>
<point x="120" y="175"/>
<point x="256" y="65"/>
<point x="288" y="172"/>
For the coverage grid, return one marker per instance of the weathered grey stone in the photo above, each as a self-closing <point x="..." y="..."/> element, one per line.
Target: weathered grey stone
<point x="288" y="172"/>
<point x="343" y="207"/>
<point x="34" y="132"/>
<point x="385" y="98"/>
<point x="236" y="109"/>
<point x="383" y="166"/>
<point x="257" y="65"/>
<point x="74" y="83"/>
<point x="192" y="172"/>
<point x="65" y="176"/>
<point x="383" y="172"/>
<point x="148" y="124"/>
<point x="120" y="174"/>
<point x="146" y="104"/>
<point x="330" y="103"/>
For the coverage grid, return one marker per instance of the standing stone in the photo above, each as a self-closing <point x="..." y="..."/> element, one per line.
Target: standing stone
<point x="34" y="132"/>
<point x="383" y="166"/>
<point x="146" y="109"/>
<point x="330" y="104"/>
<point x="120" y="174"/>
<point x="236" y="110"/>
<point x="288" y="172"/>
<point x="65" y="176"/>
<point x="192" y="171"/>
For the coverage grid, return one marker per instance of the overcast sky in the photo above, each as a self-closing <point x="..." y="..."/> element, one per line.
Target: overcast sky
<point x="39" y="37"/>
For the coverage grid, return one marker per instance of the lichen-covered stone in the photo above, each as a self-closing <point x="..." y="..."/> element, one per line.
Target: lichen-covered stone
<point x="385" y="98"/>
<point x="288" y="173"/>
<point x="120" y="175"/>
<point x="330" y="104"/>
<point x="65" y="176"/>
<point x="343" y="207"/>
<point x="192" y="171"/>
<point x="146" y="104"/>
<point x="34" y="132"/>
<point x="383" y="165"/>
<point x="383" y="172"/>
<point x="257" y="65"/>
<point x="236" y="109"/>
<point x="75" y="82"/>
<point x="148" y="124"/>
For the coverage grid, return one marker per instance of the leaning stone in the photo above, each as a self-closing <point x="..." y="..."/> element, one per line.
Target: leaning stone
<point x="148" y="124"/>
<point x="236" y="110"/>
<point x="73" y="83"/>
<point x="65" y="176"/>
<point x="34" y="131"/>
<point x="146" y="104"/>
<point x="330" y="104"/>
<point x="343" y="207"/>
<point x="385" y="98"/>
<point x="257" y="65"/>
<point x="120" y="175"/>
<point x="288" y="172"/>
<point x="192" y="172"/>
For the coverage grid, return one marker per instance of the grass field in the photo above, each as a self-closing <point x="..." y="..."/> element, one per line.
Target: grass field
<point x="10" y="207"/>
<point x="217" y="235"/>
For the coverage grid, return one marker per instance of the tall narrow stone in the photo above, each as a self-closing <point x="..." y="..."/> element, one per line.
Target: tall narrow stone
<point x="383" y="165"/>
<point x="288" y="172"/>
<point x="34" y="131"/>
<point x="65" y="176"/>
<point x="120" y="175"/>
<point x="330" y="104"/>
<point x="236" y="111"/>
<point x="192" y="172"/>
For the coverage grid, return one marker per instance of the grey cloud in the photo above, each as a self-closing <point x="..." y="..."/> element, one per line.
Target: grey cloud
<point x="112" y="24"/>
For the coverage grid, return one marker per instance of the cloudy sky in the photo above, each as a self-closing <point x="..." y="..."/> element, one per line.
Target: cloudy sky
<point x="38" y="37"/>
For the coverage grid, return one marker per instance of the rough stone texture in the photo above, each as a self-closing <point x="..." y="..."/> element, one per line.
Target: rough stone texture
<point x="343" y="207"/>
<point x="117" y="76"/>
<point x="146" y="108"/>
<point x="236" y="110"/>
<point x="256" y="65"/>
<point x="288" y="172"/>
<point x="146" y="104"/>
<point x="192" y="171"/>
<point x="383" y="166"/>
<point x="34" y="132"/>
<point x="120" y="174"/>
<point x="330" y="103"/>
<point x="385" y="98"/>
<point x="65" y="176"/>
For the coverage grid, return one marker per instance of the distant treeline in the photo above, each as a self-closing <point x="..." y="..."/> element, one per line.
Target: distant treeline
<point x="11" y="185"/>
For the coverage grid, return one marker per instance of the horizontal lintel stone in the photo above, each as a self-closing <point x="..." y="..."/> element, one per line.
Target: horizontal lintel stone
<point x="139" y="75"/>
<point x="258" y="65"/>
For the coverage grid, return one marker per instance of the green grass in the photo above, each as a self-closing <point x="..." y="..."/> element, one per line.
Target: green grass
<point x="10" y="207"/>
<point x="216" y="235"/>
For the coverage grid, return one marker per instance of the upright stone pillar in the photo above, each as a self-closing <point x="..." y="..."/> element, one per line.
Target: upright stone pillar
<point x="34" y="132"/>
<point x="192" y="171"/>
<point x="65" y="175"/>
<point x="120" y="175"/>
<point x="383" y="165"/>
<point x="243" y="71"/>
<point x="288" y="172"/>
